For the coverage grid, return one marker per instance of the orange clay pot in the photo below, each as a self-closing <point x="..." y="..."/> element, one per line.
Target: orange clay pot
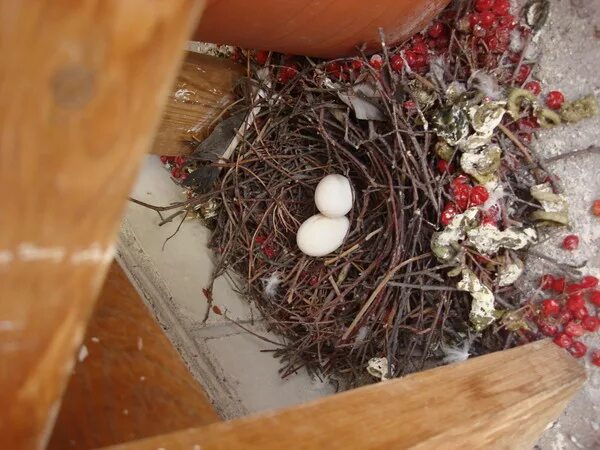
<point x="324" y="28"/>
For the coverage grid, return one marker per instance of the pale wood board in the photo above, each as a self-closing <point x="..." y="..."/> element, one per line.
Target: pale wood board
<point x="129" y="382"/>
<point x="499" y="401"/>
<point x="82" y="87"/>
<point x="198" y="99"/>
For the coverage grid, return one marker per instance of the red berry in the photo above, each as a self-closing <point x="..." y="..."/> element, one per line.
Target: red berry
<point x="180" y="160"/>
<point x="484" y="5"/>
<point x="547" y="329"/>
<point x="444" y="167"/>
<point x="562" y="340"/>
<point x="286" y="73"/>
<point x="550" y="307"/>
<point x="564" y="316"/>
<point x="493" y="44"/>
<point x="501" y="7"/>
<point x="479" y="195"/>
<point x="574" y="329"/>
<point x="473" y="19"/>
<point x="596" y="208"/>
<point x="269" y="251"/>
<point x="313" y="280"/>
<point x="462" y="196"/>
<point x="574" y="287"/>
<point x="334" y="69"/>
<point x="260" y="239"/>
<point x="459" y="181"/>
<point x="436" y="30"/>
<point x="489" y="217"/>
<point x="409" y="105"/>
<point x="570" y="242"/>
<point x="575" y="301"/>
<point x="448" y="214"/>
<point x="176" y="172"/>
<point x="261" y="57"/>
<point x="578" y="349"/>
<point x="534" y="87"/>
<point x="357" y="64"/>
<point x="421" y="61"/>
<point x="546" y="282"/>
<point x="589" y="281"/>
<point x="595" y="298"/>
<point x="397" y="63"/>
<point x="581" y="313"/>
<point x="410" y="57"/>
<point x="590" y="323"/>
<point x="523" y="74"/>
<point x="376" y="62"/>
<point x="528" y="123"/>
<point x="558" y="284"/>
<point x="420" y="48"/>
<point x="507" y="21"/>
<point x="596" y="358"/>
<point x="442" y="42"/>
<point x="164" y="159"/>
<point x="487" y="19"/>
<point x="555" y="99"/>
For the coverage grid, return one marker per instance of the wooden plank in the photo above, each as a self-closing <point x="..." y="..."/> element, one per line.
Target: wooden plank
<point x="199" y="97"/>
<point x="82" y="87"/>
<point x="130" y="382"/>
<point x="502" y="400"/>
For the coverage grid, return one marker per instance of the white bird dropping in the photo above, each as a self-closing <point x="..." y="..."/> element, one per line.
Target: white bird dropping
<point x="320" y="235"/>
<point x="333" y="196"/>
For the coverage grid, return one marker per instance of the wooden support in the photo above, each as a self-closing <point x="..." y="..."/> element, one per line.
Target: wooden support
<point x="129" y="382"/>
<point x="82" y="87"/>
<point x="499" y="401"/>
<point x="198" y="99"/>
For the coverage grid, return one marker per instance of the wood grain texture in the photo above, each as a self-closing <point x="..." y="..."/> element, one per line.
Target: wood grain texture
<point x="82" y="85"/>
<point x="203" y="90"/>
<point x="132" y="383"/>
<point x="499" y="401"/>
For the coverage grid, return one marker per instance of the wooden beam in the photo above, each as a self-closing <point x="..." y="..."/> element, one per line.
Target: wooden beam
<point x="82" y="87"/>
<point x="198" y="99"/>
<point x="129" y="382"/>
<point x="503" y="400"/>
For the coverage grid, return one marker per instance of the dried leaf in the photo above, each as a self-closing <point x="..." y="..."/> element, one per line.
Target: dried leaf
<point x="482" y="166"/>
<point x="488" y="239"/>
<point x="482" y="307"/>
<point x="451" y="124"/>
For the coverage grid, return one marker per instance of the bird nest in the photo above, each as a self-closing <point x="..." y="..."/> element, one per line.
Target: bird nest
<point x="412" y="283"/>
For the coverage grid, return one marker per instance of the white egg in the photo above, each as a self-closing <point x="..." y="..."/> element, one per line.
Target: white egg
<point x="320" y="235"/>
<point x="333" y="196"/>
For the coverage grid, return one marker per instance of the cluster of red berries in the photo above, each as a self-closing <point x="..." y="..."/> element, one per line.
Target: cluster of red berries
<point x="267" y="249"/>
<point x="565" y="316"/>
<point x="464" y="196"/>
<point x="177" y="166"/>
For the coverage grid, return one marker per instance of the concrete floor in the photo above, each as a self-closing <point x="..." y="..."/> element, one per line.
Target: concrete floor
<point x="570" y="61"/>
<point x="239" y="378"/>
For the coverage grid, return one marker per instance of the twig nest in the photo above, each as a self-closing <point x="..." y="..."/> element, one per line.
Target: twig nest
<point x="333" y="196"/>
<point x="320" y="235"/>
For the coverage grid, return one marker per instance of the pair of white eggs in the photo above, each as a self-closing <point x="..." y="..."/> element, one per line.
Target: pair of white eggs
<point x="324" y="233"/>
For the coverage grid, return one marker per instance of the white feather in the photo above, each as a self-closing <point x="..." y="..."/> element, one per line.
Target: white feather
<point x="271" y="284"/>
<point x="486" y="84"/>
<point x="516" y="41"/>
<point x="456" y="354"/>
